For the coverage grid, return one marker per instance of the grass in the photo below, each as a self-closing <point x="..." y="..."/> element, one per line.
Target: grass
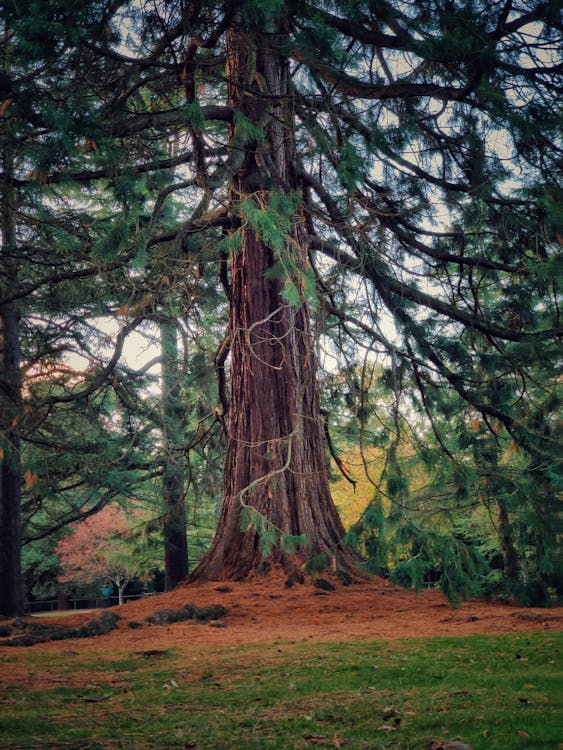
<point x="62" y="612"/>
<point x="491" y="692"/>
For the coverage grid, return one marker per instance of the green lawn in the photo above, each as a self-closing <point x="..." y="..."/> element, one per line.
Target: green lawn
<point x="62" y="612"/>
<point x="493" y="693"/>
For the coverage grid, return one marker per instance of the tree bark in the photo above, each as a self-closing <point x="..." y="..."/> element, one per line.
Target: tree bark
<point x="11" y="586"/>
<point x="275" y="460"/>
<point x="174" y="527"/>
<point x="509" y="554"/>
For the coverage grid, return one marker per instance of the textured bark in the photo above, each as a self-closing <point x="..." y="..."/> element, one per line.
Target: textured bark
<point x="11" y="585"/>
<point x="275" y="459"/>
<point x="174" y="527"/>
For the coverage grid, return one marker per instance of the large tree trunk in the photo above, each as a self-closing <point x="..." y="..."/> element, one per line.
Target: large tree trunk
<point x="11" y="584"/>
<point x="275" y="462"/>
<point x="173" y="507"/>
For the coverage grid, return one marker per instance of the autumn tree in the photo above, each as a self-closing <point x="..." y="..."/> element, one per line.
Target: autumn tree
<point x="103" y="549"/>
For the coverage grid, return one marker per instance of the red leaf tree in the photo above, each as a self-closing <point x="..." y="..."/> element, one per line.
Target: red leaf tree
<point x="100" y="550"/>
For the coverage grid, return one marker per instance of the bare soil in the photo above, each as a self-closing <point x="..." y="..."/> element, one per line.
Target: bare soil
<point x="263" y="610"/>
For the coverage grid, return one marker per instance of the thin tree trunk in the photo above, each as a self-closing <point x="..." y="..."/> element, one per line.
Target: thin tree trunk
<point x="174" y="528"/>
<point x="275" y="461"/>
<point x="509" y="554"/>
<point x="11" y="586"/>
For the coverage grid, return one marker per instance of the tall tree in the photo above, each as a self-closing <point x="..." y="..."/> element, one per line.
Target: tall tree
<point x="11" y="411"/>
<point x="275" y="465"/>
<point x="173" y="476"/>
<point x="353" y="131"/>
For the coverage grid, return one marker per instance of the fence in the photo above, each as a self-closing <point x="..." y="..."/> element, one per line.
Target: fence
<point x="95" y="602"/>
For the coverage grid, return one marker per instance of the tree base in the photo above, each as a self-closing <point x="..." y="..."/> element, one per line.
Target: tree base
<point x="343" y="566"/>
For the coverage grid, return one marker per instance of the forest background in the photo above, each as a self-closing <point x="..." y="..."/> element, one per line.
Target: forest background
<point x="333" y="230"/>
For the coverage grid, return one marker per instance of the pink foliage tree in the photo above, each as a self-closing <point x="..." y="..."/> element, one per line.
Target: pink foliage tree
<point x="99" y="550"/>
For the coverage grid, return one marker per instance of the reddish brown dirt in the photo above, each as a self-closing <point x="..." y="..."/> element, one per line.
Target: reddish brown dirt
<point x="264" y="611"/>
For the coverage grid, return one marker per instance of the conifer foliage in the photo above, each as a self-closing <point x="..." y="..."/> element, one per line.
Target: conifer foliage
<point x="382" y="172"/>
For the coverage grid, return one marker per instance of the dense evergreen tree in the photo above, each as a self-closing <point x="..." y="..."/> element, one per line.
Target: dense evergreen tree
<point x="456" y="501"/>
<point x="65" y="434"/>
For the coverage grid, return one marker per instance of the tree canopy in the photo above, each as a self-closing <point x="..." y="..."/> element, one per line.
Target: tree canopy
<point x="353" y="181"/>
